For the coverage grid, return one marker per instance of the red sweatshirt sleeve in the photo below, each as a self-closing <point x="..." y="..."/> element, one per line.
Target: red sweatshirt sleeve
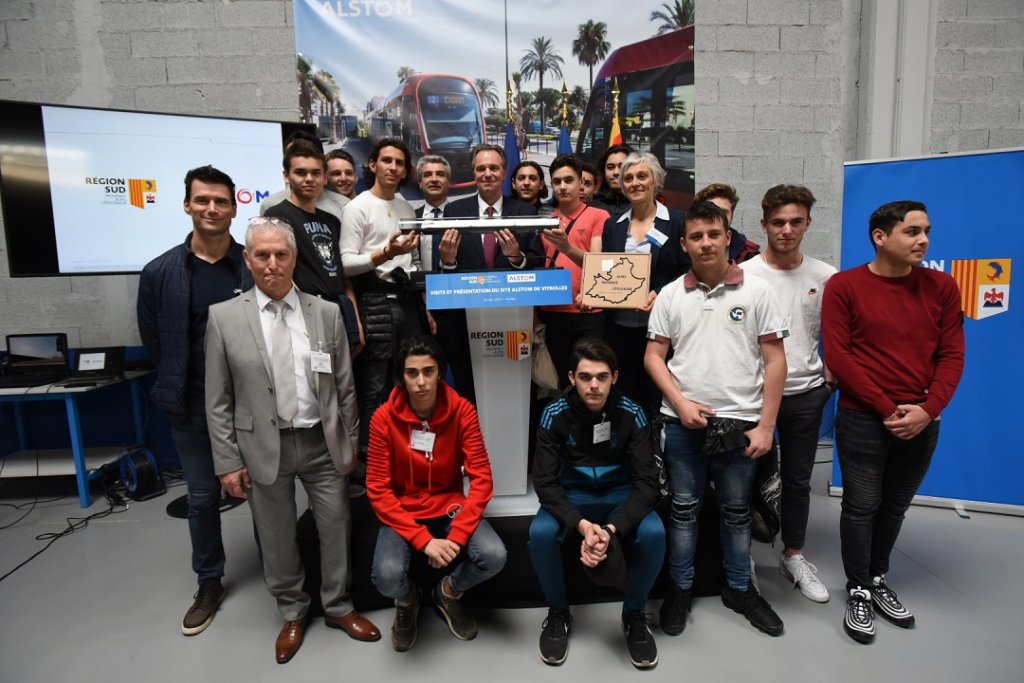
<point x="382" y="496"/>
<point x="478" y="469"/>
<point x="949" y="356"/>
<point x="837" y="313"/>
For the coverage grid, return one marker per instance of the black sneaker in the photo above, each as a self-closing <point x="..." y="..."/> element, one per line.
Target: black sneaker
<point x="554" y="638"/>
<point x="403" y="631"/>
<point x="639" y="640"/>
<point x="204" y="607"/>
<point x="677" y="605"/>
<point x="859" y="623"/>
<point x="460" y="620"/>
<point x="755" y="608"/>
<point x="888" y="605"/>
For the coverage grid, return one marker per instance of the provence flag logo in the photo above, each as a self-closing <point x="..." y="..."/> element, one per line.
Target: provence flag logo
<point x="518" y="344"/>
<point x="141" y="191"/>
<point x="984" y="286"/>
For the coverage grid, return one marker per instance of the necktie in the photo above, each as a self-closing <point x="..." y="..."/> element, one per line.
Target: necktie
<point x="283" y="365"/>
<point x="490" y="242"/>
<point x="437" y="212"/>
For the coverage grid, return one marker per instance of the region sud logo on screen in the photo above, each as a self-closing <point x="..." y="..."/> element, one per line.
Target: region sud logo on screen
<point x="138" y="192"/>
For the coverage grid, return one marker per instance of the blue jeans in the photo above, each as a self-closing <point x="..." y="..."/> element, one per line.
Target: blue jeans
<point x="192" y="441"/>
<point x="644" y="546"/>
<point x="881" y="475"/>
<point x="687" y="466"/>
<point x="481" y="558"/>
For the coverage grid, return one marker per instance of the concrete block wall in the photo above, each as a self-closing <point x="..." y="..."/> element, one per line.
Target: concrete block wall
<point x="233" y="58"/>
<point x="774" y="92"/>
<point x="978" y="100"/>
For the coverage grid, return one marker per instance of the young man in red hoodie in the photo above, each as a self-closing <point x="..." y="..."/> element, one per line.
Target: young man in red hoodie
<point x="421" y="440"/>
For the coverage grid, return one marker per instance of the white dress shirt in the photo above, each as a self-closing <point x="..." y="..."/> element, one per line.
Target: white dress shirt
<point x="305" y="385"/>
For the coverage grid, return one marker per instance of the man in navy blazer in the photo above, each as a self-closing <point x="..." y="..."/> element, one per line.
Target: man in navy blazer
<point x="500" y="250"/>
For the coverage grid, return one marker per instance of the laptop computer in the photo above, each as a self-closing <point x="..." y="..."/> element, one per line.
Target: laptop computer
<point x="95" y="366"/>
<point x="35" y="360"/>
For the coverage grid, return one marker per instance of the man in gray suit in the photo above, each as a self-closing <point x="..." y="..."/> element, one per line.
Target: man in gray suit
<point x="281" y="405"/>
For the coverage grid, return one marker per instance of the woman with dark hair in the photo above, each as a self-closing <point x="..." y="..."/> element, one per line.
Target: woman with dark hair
<point x="646" y="227"/>
<point x="421" y="440"/>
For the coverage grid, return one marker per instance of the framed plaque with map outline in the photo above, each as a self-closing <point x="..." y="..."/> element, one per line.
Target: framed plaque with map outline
<point x="615" y="280"/>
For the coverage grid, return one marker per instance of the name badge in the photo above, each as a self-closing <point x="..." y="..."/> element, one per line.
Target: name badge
<point x="602" y="432"/>
<point x="320" y="361"/>
<point x="422" y="441"/>
<point x="655" y="236"/>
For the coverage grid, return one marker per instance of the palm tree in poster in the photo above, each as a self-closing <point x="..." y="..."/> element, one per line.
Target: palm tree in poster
<point x="676" y="15"/>
<point x="303" y="71"/>
<point x="590" y="46"/>
<point x="327" y="88"/>
<point x="540" y="59"/>
<point x="488" y="92"/>
<point x="517" y="81"/>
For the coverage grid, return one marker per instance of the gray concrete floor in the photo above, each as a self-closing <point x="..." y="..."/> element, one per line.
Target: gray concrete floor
<point x="106" y="603"/>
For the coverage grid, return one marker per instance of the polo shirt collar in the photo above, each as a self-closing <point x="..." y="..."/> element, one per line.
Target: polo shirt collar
<point x="733" y="277"/>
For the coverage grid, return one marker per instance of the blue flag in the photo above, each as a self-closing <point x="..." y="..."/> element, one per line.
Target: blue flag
<point x="564" y="145"/>
<point x="512" y="151"/>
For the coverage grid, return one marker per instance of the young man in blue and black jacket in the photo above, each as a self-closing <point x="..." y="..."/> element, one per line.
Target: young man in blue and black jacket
<point x="594" y="473"/>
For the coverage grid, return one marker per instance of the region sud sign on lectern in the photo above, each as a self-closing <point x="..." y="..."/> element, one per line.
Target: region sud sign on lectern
<point x="499" y="315"/>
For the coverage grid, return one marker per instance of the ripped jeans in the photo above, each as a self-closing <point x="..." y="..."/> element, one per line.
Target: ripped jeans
<point x="687" y="466"/>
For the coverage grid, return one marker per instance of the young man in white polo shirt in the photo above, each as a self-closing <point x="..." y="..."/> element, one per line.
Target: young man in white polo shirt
<point x="799" y="281"/>
<point x="721" y="391"/>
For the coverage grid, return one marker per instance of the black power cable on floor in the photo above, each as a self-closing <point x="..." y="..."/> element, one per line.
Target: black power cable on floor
<point x="116" y="504"/>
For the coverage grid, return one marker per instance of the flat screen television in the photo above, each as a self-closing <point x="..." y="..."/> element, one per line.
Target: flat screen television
<point x="100" y="191"/>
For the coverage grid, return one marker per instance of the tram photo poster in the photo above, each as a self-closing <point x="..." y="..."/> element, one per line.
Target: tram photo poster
<point x="443" y="75"/>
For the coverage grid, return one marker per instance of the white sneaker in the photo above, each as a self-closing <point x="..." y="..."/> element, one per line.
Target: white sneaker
<point x="803" y="574"/>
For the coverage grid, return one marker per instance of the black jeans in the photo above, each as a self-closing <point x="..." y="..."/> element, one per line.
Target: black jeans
<point x="373" y="377"/>
<point x="881" y="475"/>
<point x="799" y="422"/>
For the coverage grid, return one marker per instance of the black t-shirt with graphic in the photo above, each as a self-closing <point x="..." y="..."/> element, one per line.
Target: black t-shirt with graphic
<point x="318" y="270"/>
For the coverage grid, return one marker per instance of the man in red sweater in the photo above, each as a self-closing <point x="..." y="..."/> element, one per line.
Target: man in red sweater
<point x="894" y="340"/>
<point x="421" y="440"/>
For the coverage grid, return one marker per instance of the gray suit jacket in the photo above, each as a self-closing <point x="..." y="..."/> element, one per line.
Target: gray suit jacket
<point x="240" y="407"/>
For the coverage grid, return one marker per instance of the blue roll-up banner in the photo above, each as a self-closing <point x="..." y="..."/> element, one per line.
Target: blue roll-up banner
<point x="976" y="207"/>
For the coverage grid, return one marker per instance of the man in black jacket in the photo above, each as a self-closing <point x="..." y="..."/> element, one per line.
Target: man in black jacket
<point x="595" y="473"/>
<point x="175" y="291"/>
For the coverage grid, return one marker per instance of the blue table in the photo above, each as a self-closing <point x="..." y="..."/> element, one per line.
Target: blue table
<point x="70" y="396"/>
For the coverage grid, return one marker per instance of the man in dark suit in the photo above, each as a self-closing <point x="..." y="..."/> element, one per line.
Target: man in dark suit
<point x="434" y="175"/>
<point x="281" y="405"/>
<point x="500" y="250"/>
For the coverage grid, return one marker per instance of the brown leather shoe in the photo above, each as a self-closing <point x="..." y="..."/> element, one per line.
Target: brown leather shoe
<point x="356" y="625"/>
<point x="289" y="640"/>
